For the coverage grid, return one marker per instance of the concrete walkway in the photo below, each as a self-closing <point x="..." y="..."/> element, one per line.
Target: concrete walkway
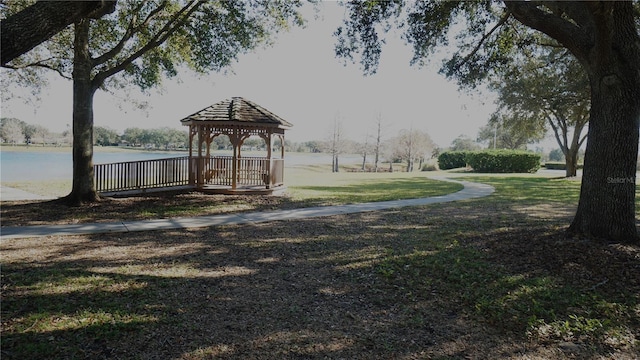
<point x="471" y="190"/>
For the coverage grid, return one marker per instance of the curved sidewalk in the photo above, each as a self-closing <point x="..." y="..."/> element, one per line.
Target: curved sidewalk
<point x="471" y="190"/>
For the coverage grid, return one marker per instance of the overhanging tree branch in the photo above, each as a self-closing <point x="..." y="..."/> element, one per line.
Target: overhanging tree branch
<point x="40" y="64"/>
<point x="37" y="23"/>
<point x="567" y="33"/>
<point x="576" y="11"/>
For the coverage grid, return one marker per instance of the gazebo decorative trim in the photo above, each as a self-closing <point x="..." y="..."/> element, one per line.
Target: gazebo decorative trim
<point x="238" y="119"/>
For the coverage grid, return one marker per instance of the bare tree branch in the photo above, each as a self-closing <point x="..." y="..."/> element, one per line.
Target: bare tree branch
<point x="556" y="132"/>
<point x="126" y="37"/>
<point x="484" y="38"/>
<point x="163" y="34"/>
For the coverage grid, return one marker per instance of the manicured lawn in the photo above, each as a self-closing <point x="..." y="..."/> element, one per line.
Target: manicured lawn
<point x="318" y="186"/>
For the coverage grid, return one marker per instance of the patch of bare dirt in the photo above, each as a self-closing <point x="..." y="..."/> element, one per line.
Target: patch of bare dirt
<point x="547" y="211"/>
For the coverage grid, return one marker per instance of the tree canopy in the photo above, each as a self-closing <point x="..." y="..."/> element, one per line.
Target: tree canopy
<point x="511" y="131"/>
<point x="547" y="87"/>
<point x="464" y="143"/>
<point x="143" y="40"/>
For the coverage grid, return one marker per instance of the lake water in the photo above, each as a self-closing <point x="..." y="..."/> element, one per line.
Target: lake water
<point x="23" y="165"/>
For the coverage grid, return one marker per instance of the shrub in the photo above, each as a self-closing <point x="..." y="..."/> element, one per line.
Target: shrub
<point x="555" y="165"/>
<point x="452" y="159"/>
<point x="504" y="161"/>
<point x="429" y="167"/>
<point x="556" y="155"/>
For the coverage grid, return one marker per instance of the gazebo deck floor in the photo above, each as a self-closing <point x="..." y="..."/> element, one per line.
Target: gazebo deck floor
<point x="207" y="189"/>
<point x="241" y="190"/>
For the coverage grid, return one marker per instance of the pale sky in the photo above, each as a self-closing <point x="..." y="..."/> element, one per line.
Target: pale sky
<point x="299" y="79"/>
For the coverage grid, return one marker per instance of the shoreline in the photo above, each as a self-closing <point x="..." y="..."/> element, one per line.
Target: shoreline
<point x="96" y="149"/>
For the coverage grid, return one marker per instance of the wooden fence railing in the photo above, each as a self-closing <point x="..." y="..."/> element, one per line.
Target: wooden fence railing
<point x="145" y="174"/>
<point x="216" y="170"/>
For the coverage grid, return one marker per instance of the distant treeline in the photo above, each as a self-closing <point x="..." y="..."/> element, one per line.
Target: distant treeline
<point x="407" y="146"/>
<point x="17" y="132"/>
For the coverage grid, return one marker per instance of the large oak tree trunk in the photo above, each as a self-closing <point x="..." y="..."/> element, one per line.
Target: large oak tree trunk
<point x="83" y="189"/>
<point x="607" y="199"/>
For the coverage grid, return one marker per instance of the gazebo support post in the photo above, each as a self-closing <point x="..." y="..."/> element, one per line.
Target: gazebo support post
<point x="200" y="161"/>
<point x="190" y="165"/>
<point x="268" y="176"/>
<point x="236" y="153"/>
<point x="281" y="146"/>
<point x="282" y="154"/>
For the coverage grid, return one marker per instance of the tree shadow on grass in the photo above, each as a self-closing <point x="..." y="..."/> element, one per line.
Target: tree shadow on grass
<point x="286" y="290"/>
<point x="63" y="310"/>
<point x="445" y="280"/>
<point x="162" y="205"/>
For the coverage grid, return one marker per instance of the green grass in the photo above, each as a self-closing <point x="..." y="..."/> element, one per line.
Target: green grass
<point x="314" y="185"/>
<point x="542" y="306"/>
<point x="531" y="189"/>
<point x="535" y="189"/>
<point x="64" y="307"/>
<point x="322" y="188"/>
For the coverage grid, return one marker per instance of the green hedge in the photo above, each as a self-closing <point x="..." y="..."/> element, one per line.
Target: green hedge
<point x="503" y="161"/>
<point x="452" y="160"/>
<point x="558" y="165"/>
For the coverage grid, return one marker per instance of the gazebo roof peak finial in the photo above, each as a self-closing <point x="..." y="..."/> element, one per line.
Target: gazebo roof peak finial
<point x="237" y="110"/>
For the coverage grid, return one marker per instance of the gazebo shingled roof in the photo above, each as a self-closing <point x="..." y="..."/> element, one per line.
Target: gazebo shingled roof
<point x="237" y="110"/>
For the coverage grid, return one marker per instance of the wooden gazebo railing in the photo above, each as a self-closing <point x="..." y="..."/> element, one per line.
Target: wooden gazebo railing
<point x="252" y="171"/>
<point x="139" y="175"/>
<point x="171" y="172"/>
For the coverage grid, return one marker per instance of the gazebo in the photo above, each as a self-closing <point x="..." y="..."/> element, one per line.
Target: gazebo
<point x="238" y="119"/>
